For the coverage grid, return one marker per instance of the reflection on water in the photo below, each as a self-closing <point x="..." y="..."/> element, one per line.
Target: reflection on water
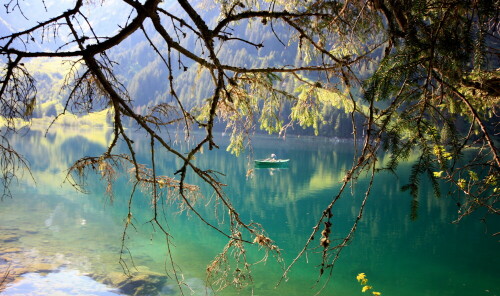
<point x="49" y="227"/>
<point x="64" y="282"/>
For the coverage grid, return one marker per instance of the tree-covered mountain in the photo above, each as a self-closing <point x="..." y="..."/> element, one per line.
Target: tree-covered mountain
<point x="145" y="76"/>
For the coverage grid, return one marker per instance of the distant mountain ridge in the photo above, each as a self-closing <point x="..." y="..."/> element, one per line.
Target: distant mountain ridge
<point x="145" y="75"/>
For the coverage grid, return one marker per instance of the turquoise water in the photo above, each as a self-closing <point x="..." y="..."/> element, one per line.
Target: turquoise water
<point x="62" y="242"/>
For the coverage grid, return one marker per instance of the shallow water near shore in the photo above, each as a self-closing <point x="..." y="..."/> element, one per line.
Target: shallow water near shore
<point x="57" y="241"/>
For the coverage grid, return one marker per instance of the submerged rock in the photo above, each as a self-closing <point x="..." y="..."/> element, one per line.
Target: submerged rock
<point x="41" y="267"/>
<point x="143" y="284"/>
<point x="9" y="238"/>
<point x="11" y="250"/>
<point x="140" y="283"/>
<point x="114" y="279"/>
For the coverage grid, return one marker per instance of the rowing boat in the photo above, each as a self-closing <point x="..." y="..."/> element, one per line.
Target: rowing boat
<point x="271" y="163"/>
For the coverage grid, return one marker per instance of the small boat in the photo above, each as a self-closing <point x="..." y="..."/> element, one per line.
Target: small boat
<point x="271" y="163"/>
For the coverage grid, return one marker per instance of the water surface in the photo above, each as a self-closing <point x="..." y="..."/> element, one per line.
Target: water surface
<point x="56" y="240"/>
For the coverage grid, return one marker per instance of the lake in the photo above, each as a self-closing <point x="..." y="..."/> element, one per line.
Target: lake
<point x="55" y="240"/>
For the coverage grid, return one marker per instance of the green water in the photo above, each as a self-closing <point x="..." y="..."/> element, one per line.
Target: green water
<point x="65" y="243"/>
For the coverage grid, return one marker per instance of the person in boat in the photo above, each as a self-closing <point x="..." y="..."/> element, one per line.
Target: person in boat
<point x="272" y="158"/>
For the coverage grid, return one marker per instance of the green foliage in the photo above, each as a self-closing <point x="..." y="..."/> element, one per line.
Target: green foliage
<point x="437" y="87"/>
<point x="393" y="71"/>
<point x="236" y="143"/>
<point x="307" y="109"/>
<point x="314" y="102"/>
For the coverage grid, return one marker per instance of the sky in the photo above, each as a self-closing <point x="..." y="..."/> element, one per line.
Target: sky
<point x="105" y="18"/>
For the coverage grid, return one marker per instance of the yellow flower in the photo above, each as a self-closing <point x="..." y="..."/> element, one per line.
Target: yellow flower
<point x="376" y="293"/>
<point x="361" y="277"/>
<point x="366" y="288"/>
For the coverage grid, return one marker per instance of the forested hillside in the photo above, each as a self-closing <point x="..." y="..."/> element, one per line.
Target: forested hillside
<point x="143" y="74"/>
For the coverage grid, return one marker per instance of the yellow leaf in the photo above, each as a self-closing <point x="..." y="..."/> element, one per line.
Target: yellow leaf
<point x="376" y="293"/>
<point x="102" y="166"/>
<point x="361" y="277"/>
<point x="438" y="174"/>
<point x="461" y="183"/>
<point x="366" y="288"/>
